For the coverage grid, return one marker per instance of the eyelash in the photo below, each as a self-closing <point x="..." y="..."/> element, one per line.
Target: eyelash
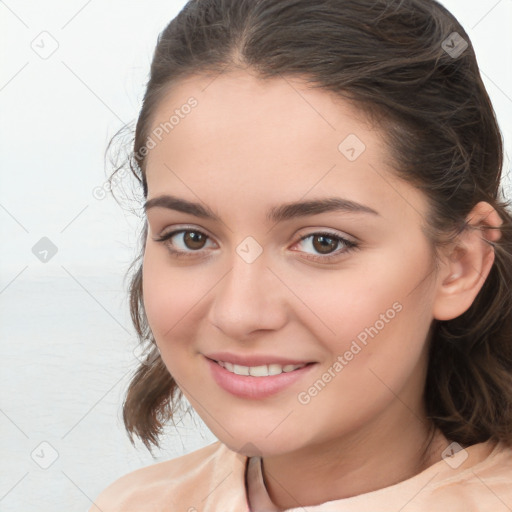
<point x="349" y="246"/>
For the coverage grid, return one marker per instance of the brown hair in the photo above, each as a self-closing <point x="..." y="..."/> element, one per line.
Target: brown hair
<point x="393" y="60"/>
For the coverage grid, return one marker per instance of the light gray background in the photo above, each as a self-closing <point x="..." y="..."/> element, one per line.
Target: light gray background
<point x="66" y="339"/>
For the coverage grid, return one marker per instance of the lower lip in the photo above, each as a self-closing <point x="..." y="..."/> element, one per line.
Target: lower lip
<point x="246" y="386"/>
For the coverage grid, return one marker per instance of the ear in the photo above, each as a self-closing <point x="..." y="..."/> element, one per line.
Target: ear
<point x="467" y="263"/>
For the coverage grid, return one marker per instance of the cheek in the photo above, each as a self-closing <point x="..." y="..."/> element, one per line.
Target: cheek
<point x="374" y="310"/>
<point x="361" y="381"/>
<point x="393" y="328"/>
<point x="173" y="305"/>
<point x="172" y="296"/>
<point x="377" y="352"/>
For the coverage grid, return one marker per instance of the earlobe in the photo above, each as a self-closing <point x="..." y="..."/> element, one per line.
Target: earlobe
<point x="468" y="263"/>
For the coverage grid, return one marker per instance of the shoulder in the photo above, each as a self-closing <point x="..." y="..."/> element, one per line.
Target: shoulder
<point x="178" y="484"/>
<point x="486" y="485"/>
<point x="478" y="478"/>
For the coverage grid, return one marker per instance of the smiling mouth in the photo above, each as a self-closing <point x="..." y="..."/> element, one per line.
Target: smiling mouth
<point x="264" y="370"/>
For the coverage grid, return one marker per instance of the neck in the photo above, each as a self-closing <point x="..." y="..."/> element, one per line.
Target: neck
<point x="356" y="464"/>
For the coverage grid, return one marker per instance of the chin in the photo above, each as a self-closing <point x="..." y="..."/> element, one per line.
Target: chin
<point x="257" y="446"/>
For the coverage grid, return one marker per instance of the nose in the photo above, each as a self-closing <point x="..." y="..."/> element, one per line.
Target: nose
<point x="248" y="299"/>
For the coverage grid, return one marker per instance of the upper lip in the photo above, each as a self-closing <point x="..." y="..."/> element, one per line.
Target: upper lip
<point x="253" y="360"/>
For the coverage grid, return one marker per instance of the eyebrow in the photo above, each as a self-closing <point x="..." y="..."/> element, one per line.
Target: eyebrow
<point x="276" y="214"/>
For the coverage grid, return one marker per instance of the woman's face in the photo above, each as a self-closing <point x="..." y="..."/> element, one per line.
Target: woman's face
<point x="295" y="248"/>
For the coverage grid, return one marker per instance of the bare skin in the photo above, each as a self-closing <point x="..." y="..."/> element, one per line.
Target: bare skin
<point x="251" y="145"/>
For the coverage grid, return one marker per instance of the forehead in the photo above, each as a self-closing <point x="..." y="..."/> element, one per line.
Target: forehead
<point x="243" y="105"/>
<point x="267" y="138"/>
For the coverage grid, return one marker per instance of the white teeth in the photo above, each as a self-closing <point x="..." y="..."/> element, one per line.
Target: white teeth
<point x="274" y="369"/>
<point x="241" y="370"/>
<point x="259" y="371"/>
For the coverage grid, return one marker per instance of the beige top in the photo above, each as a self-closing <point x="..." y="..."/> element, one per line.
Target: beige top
<point x="214" y="479"/>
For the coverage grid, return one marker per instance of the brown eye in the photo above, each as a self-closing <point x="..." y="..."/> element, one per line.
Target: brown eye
<point x="325" y="247"/>
<point x="324" y="244"/>
<point x="194" y="240"/>
<point x="185" y="242"/>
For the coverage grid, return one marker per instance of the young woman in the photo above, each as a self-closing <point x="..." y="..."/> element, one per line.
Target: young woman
<point x="326" y="264"/>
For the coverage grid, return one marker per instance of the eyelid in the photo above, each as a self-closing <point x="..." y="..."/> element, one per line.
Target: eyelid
<point x="317" y="230"/>
<point x="183" y="227"/>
